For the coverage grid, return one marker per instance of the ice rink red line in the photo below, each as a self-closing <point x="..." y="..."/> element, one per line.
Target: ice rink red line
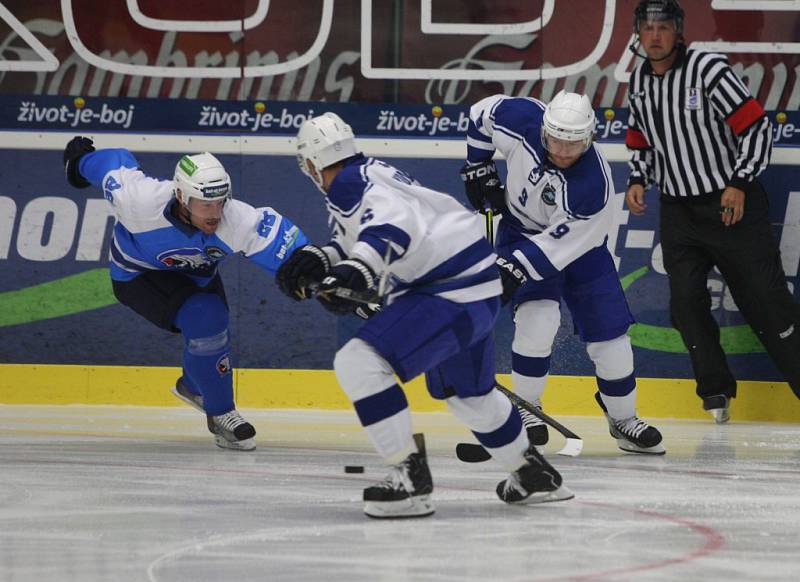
<point x="714" y="541"/>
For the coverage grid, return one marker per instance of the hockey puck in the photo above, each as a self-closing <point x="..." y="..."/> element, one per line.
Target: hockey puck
<point x="353" y="469"/>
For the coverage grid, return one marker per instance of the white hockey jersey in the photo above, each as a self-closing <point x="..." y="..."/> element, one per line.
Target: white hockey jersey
<point x="416" y="239"/>
<point x="562" y="213"/>
<point x="148" y="237"/>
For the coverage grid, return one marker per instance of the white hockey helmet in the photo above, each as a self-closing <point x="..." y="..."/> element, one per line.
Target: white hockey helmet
<point x="202" y="176"/>
<point x="569" y="117"/>
<point x="324" y="140"/>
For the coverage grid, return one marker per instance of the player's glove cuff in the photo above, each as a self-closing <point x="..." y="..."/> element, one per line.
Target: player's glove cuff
<point x="512" y="277"/>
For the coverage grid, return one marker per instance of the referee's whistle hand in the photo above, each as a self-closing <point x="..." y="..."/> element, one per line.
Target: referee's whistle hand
<point x="635" y="199"/>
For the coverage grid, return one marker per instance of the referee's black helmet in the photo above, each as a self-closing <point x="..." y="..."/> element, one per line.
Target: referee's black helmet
<point x="658" y="10"/>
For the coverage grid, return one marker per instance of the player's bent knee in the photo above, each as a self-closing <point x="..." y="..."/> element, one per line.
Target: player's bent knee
<point x="537" y="323"/>
<point x="613" y="359"/>
<point x="484" y="413"/>
<point x="206" y="346"/>
<point x="361" y="370"/>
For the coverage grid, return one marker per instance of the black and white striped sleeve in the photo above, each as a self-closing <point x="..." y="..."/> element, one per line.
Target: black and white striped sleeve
<point x="746" y="118"/>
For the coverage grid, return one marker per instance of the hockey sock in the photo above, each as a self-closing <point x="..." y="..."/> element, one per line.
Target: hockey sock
<point x="496" y="424"/>
<point x="529" y="375"/>
<point x="619" y="396"/>
<point x="203" y="320"/>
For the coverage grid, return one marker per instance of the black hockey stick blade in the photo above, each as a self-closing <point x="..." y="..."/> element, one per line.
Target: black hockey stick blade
<point x="471" y="453"/>
<point x="574" y="444"/>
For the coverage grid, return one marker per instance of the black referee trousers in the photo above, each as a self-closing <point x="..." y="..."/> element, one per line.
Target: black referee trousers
<point x="694" y="240"/>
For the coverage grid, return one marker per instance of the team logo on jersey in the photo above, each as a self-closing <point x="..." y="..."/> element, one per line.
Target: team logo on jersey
<point x="694" y="101"/>
<point x="549" y="195"/>
<point x="108" y="188"/>
<point x="224" y="364"/>
<point x="214" y="253"/>
<point x="187" y="259"/>
<point x="267" y="222"/>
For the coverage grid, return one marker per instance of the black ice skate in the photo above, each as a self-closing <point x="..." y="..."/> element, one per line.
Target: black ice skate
<point x="719" y="407"/>
<point x="534" y="426"/>
<point x="182" y="391"/>
<point x="633" y="434"/>
<point x="406" y="490"/>
<point x="231" y="431"/>
<point x="535" y="482"/>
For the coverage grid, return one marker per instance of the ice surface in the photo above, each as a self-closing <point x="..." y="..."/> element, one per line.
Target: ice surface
<point x="142" y="494"/>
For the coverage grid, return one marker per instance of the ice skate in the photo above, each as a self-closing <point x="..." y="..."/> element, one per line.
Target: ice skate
<point x="406" y="490"/>
<point x="231" y="431"/>
<point x="535" y="427"/>
<point x="633" y="434"/>
<point x="719" y="407"/>
<point x="182" y="391"/>
<point x="535" y="482"/>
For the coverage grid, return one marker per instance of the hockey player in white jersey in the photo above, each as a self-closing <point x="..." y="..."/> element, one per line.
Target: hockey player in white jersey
<point x="551" y="245"/>
<point x="169" y="237"/>
<point x="426" y="257"/>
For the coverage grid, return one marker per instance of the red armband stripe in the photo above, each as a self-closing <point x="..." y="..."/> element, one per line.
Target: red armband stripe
<point x="745" y="116"/>
<point x="636" y="140"/>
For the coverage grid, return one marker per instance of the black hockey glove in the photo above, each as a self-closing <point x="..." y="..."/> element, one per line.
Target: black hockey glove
<point x="77" y="147"/>
<point x="348" y="277"/>
<point x="308" y="264"/>
<point x="512" y="276"/>
<point x="483" y="186"/>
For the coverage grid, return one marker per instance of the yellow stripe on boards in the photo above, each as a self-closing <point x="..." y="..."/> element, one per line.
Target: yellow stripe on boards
<point x="318" y="389"/>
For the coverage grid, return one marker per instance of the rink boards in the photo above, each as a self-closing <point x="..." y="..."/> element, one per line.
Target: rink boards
<point x="59" y="320"/>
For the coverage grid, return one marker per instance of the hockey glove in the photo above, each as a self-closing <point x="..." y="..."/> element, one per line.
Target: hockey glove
<point x="483" y="186"/>
<point x="367" y="310"/>
<point x="351" y="276"/>
<point x="308" y="264"/>
<point x="512" y="276"/>
<point x="77" y="147"/>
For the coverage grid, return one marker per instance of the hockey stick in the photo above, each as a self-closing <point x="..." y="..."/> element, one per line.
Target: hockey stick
<point x="370" y="298"/>
<point x="475" y="453"/>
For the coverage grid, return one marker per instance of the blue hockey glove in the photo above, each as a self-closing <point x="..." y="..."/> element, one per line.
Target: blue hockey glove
<point x="308" y="264"/>
<point x="77" y="147"/>
<point x="352" y="275"/>
<point x="483" y="186"/>
<point x="512" y="276"/>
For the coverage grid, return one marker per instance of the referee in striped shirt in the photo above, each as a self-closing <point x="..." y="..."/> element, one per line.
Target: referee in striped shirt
<point x="695" y="130"/>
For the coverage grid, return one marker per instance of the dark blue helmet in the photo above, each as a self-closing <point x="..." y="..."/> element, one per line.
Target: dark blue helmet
<point x="658" y="10"/>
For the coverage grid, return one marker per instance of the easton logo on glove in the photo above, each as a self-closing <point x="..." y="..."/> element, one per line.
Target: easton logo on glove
<point x="475" y="172"/>
<point x="512" y="269"/>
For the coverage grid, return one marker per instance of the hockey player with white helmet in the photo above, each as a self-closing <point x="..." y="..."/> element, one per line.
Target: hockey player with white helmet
<point x="169" y="238"/>
<point x="551" y="242"/>
<point x="425" y="257"/>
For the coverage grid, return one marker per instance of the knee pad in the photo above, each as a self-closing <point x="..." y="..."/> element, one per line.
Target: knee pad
<point x="202" y="315"/>
<point x="362" y="371"/>
<point x="612" y="359"/>
<point x="484" y="413"/>
<point x="537" y="323"/>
